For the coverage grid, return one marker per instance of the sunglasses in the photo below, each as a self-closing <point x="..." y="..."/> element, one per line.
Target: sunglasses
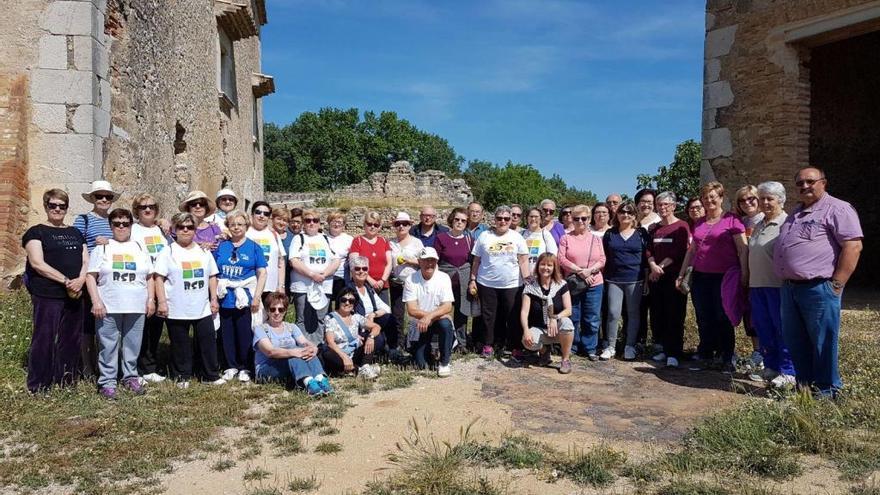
<point x="198" y="204"/>
<point x="462" y="220"/>
<point x="147" y="207"/>
<point x="374" y="225"/>
<point x="347" y="300"/>
<point x="185" y="227"/>
<point x="807" y="182"/>
<point x="402" y="224"/>
<point x="581" y="219"/>
<point x="516" y="215"/>
<point x="262" y="213"/>
<point x="502" y="219"/>
<point x="626" y="212"/>
<point x="226" y="198"/>
<point x="276" y="309"/>
<point x="360" y="269"/>
<point x="311" y="220"/>
<point x="548" y="210"/>
<point x="102" y="196"/>
<point x="566" y="212"/>
<point x="121" y="225"/>
<point x="56" y="206"/>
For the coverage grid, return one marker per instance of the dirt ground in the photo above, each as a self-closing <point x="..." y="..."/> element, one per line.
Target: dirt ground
<point x="634" y="407"/>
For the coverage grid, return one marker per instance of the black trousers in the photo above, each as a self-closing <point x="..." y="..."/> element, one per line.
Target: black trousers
<point x="668" y="309"/>
<point x="182" y="348"/>
<point x="498" y="307"/>
<point x="148" y="360"/>
<point x="333" y="364"/>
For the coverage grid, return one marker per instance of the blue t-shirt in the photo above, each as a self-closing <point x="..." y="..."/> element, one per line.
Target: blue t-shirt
<point x="427" y="240"/>
<point x="285" y="340"/>
<point x="93" y="226"/>
<point x="238" y="263"/>
<point x="625" y="259"/>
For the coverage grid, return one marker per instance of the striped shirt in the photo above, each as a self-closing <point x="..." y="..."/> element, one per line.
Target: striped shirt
<point x="97" y="226"/>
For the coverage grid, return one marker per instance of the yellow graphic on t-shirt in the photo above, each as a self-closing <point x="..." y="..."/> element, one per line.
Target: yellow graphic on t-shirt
<point x="266" y="246"/>
<point x="534" y="246"/>
<point x="154" y="243"/>
<point x="123" y="266"/>
<point x="501" y="247"/>
<point x="317" y="253"/>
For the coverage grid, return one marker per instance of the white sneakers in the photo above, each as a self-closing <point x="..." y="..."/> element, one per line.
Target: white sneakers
<point x="444" y="371"/>
<point x="756" y="361"/>
<point x="244" y="376"/>
<point x="659" y="357"/>
<point x="783" y="381"/>
<point x="629" y="353"/>
<point x="607" y="353"/>
<point x="219" y="381"/>
<point x="671" y="362"/>
<point x="229" y="374"/>
<point x="183" y="385"/>
<point x="369" y="371"/>
<point x="153" y="378"/>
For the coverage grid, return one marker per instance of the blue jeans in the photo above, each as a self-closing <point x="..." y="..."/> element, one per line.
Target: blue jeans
<point x="285" y="369"/>
<point x="810" y="327"/>
<point x="443" y="329"/>
<point x="586" y="311"/>
<point x="766" y="318"/>
<point x="715" y="329"/>
<point x="118" y="332"/>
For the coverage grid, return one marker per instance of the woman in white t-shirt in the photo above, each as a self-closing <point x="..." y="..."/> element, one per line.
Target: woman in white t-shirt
<point x="314" y="264"/>
<point x="501" y="263"/>
<point x="148" y="233"/>
<point x="121" y="289"/>
<point x="340" y="241"/>
<point x="405" y="250"/>
<point x="270" y="244"/>
<point x="600" y="220"/>
<point x="186" y="288"/>
<point x="538" y="240"/>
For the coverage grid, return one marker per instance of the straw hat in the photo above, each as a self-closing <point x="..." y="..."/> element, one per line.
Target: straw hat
<point x="194" y="195"/>
<point x="100" y="186"/>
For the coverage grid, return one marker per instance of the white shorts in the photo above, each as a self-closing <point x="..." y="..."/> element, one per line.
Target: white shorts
<point x="540" y="337"/>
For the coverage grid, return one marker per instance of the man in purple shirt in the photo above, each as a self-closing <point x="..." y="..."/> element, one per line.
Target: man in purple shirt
<point x="817" y="251"/>
<point x="549" y="222"/>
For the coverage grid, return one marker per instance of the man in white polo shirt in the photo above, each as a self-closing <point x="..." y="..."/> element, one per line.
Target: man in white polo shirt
<point x="427" y="294"/>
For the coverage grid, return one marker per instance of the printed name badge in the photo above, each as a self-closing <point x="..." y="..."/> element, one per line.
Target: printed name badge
<point x="124" y="268"/>
<point x="193" y="275"/>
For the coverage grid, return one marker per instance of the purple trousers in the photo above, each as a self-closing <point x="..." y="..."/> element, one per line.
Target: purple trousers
<point x="54" y="357"/>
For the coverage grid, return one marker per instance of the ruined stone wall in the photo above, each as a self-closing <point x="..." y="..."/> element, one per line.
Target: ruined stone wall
<point x="401" y="182"/>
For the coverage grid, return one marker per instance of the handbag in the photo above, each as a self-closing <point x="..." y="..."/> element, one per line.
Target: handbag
<point x="577" y="285"/>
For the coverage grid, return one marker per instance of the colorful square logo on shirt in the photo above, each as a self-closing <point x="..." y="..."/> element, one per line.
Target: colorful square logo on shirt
<point x="534" y="246"/>
<point x="192" y="269"/>
<point x="124" y="262"/>
<point x="266" y="246"/>
<point x="154" y="244"/>
<point x="317" y="250"/>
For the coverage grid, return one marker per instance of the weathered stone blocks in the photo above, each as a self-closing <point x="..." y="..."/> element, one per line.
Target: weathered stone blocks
<point x="719" y="41"/>
<point x="63" y="86"/>
<point x="53" y="52"/>
<point x="73" y="17"/>
<point x="50" y="117"/>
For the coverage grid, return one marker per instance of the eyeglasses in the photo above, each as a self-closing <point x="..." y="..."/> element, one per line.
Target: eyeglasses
<point x="198" y="204"/>
<point x="360" y="268"/>
<point x="548" y="210"/>
<point x="502" y="219"/>
<point x="626" y="212"/>
<point x="121" y="225"/>
<point x="262" y="213"/>
<point x="276" y="309"/>
<point x="346" y="300"/>
<point x="427" y="215"/>
<point x="374" y="225"/>
<point x="462" y="220"/>
<point x="153" y="207"/>
<point x="516" y="215"/>
<point x="185" y="227"/>
<point x="665" y="205"/>
<point x="646" y="202"/>
<point x="613" y="202"/>
<point x="402" y="224"/>
<point x="696" y="207"/>
<point x="581" y="219"/>
<point x="56" y="206"/>
<point x="238" y="224"/>
<point x="750" y="199"/>
<point x="108" y="197"/>
<point x="311" y="220"/>
<point x="807" y="182"/>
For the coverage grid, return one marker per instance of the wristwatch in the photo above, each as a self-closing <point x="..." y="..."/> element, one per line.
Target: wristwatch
<point x="836" y="285"/>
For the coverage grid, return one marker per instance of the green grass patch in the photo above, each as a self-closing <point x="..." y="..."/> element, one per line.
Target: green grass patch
<point x="593" y="467"/>
<point x="223" y="465"/>
<point x="286" y="445"/>
<point x="328" y="448"/>
<point x="256" y="474"/>
<point x="300" y="484"/>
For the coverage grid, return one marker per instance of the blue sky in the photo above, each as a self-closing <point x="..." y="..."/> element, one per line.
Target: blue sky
<point x="596" y="91"/>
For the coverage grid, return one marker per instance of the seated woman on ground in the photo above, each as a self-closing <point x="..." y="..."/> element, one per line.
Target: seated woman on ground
<point x="546" y="307"/>
<point x="350" y="340"/>
<point x="283" y="353"/>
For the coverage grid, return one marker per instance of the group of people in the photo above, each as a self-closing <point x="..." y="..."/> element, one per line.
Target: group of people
<point x="522" y="286"/>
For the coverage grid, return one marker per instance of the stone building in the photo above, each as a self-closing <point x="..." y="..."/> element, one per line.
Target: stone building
<point x="154" y="95"/>
<point x="796" y="82"/>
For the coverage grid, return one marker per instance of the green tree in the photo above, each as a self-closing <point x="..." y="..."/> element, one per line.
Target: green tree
<point x="682" y="176"/>
<point x="479" y="175"/>
<point x="493" y="185"/>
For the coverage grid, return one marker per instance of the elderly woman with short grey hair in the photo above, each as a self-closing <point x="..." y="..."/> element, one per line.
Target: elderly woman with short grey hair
<point x="764" y="287"/>
<point x="500" y="263"/>
<point x="370" y="305"/>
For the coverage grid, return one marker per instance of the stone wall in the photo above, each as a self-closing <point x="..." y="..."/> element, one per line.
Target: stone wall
<point x="757" y="86"/>
<point x="401" y="182"/>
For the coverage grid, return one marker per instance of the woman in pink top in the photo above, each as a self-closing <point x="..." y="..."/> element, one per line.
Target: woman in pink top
<point x="581" y="253"/>
<point x="719" y="244"/>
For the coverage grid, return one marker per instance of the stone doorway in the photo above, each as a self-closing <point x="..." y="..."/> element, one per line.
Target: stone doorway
<point x="845" y="134"/>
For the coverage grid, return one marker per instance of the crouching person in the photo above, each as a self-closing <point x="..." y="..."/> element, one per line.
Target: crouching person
<point x="546" y="307"/>
<point x="283" y="353"/>
<point x="351" y="340"/>
<point x="428" y="296"/>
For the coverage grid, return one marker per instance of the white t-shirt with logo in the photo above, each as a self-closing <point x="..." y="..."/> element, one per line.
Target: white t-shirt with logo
<point x="122" y="269"/>
<point x="315" y="253"/>
<point x="341" y="245"/>
<point x="187" y="273"/>
<point x="499" y="259"/>
<point x="151" y="238"/>
<point x="273" y="249"/>
<point x="429" y="294"/>
<point x="401" y="271"/>
<point x="538" y="243"/>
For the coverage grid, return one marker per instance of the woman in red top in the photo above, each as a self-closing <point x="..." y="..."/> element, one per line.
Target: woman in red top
<point x="376" y="249"/>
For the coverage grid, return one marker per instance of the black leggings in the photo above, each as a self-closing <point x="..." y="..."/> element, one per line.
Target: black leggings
<point x="333" y="362"/>
<point x="498" y="307"/>
<point x="148" y="360"/>
<point x="182" y="348"/>
<point x="668" y="309"/>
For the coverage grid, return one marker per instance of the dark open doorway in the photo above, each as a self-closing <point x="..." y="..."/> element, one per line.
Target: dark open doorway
<point x="845" y="135"/>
